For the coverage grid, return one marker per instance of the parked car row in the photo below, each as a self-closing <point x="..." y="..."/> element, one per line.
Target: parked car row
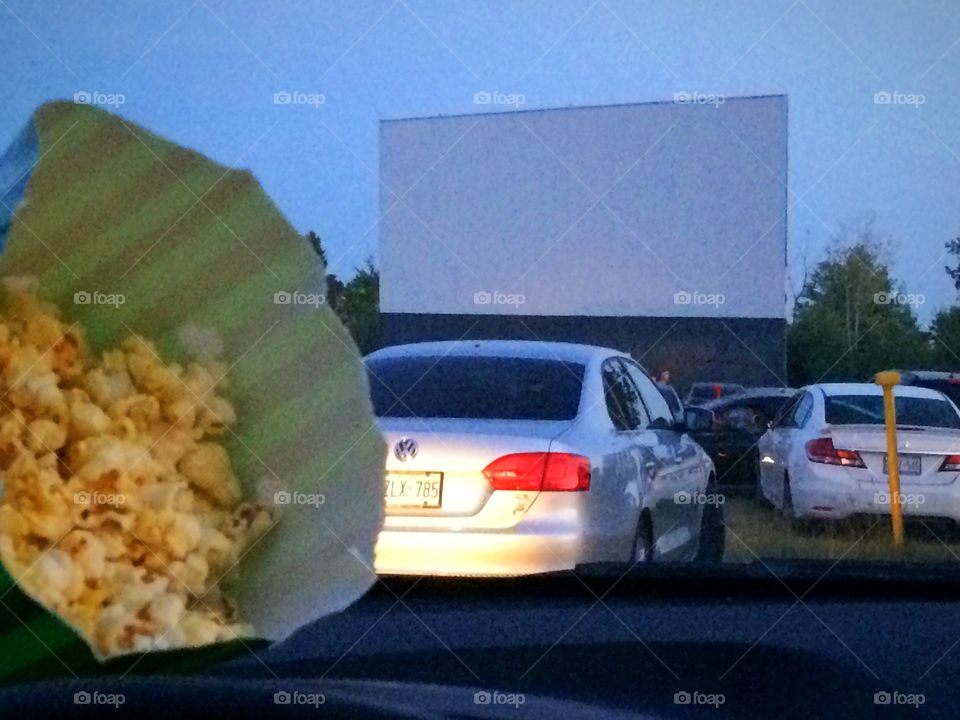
<point x="512" y="457"/>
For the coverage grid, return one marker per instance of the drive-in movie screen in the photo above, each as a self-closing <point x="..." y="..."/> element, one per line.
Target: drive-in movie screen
<point x="459" y="359"/>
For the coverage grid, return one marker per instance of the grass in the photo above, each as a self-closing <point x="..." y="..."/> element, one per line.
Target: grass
<point x="759" y="531"/>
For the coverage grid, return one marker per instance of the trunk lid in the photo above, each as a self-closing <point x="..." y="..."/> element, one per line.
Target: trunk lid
<point x="454" y="453"/>
<point x="927" y="446"/>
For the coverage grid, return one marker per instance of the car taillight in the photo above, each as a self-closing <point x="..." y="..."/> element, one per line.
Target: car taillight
<point x="951" y="463"/>
<point x="822" y="450"/>
<point x="547" y="471"/>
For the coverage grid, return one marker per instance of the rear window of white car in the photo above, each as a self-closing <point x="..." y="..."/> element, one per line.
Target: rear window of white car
<point x="868" y="410"/>
<point x="475" y="387"/>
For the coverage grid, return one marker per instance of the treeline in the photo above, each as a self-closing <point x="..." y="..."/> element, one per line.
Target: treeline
<point x="852" y="318"/>
<point x="356" y="302"/>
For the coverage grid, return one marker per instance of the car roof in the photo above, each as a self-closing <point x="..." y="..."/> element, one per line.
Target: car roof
<point x="908" y="375"/>
<point x="748" y="394"/>
<point x="874" y="389"/>
<point x="534" y="349"/>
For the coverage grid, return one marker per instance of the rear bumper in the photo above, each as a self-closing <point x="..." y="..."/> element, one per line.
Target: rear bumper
<point x="472" y="552"/>
<point x="821" y="495"/>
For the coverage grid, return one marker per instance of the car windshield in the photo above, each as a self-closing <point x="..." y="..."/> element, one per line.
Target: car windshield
<point x="482" y="388"/>
<point x="301" y="299"/>
<point x="868" y="410"/>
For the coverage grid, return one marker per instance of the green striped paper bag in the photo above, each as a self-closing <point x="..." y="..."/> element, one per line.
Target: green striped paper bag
<point x="91" y="203"/>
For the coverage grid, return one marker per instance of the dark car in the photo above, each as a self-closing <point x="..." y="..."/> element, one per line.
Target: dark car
<point x="673" y="400"/>
<point x="946" y="382"/>
<point x="738" y="422"/>
<point x="701" y="392"/>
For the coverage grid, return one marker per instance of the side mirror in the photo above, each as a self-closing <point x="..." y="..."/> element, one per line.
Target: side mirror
<point x="697" y="419"/>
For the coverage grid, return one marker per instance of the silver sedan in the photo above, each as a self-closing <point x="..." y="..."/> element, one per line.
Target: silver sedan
<point x="514" y="457"/>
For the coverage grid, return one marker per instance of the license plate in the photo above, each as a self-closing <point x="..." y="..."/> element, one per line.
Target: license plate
<point x="414" y="489"/>
<point x="909" y="464"/>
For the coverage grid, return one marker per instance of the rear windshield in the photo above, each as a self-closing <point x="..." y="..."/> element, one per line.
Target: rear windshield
<point x="949" y="388"/>
<point x="475" y="387"/>
<point x="868" y="409"/>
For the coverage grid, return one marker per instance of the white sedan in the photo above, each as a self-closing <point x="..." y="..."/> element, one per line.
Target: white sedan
<point x="512" y="457"/>
<point x="826" y="455"/>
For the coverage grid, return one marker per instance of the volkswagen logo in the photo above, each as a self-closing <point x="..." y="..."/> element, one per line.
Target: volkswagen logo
<point x="405" y="449"/>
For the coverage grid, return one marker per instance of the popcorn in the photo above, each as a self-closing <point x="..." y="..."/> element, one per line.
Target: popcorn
<point x="119" y="509"/>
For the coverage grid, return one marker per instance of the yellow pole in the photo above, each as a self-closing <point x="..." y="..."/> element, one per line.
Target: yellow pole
<point x="887" y="380"/>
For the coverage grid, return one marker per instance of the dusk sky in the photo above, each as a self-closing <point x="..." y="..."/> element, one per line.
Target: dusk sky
<point x="205" y="74"/>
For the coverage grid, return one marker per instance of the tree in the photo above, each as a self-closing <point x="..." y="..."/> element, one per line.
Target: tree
<point x="850" y="320"/>
<point x="334" y="284"/>
<point x="359" y="307"/>
<point x="945" y="339"/>
<point x="953" y="248"/>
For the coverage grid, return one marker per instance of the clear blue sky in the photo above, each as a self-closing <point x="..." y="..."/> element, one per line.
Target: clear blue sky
<point x="204" y="73"/>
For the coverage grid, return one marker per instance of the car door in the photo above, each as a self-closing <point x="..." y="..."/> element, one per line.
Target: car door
<point x="679" y="479"/>
<point x="619" y="495"/>
<point x="775" y="454"/>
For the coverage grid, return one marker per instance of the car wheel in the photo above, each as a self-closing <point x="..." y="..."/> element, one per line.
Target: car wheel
<point x="786" y="504"/>
<point x="713" y="533"/>
<point x="643" y="545"/>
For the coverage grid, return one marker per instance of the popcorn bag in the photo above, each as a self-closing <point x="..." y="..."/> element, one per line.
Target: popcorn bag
<point x="189" y="465"/>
